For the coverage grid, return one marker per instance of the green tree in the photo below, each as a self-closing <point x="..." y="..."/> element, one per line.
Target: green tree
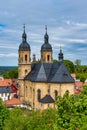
<point x="55" y="61"/>
<point x="22" y="119"/>
<point x="72" y="111"/>
<point x="69" y="65"/>
<point x="77" y="62"/>
<point x="4" y="114"/>
<point x="11" y="74"/>
<point x="16" y="120"/>
<point x="42" y="121"/>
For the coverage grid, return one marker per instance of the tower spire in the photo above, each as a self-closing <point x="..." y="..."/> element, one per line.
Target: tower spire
<point x="60" y="54"/>
<point x="46" y="37"/>
<point x="46" y="28"/>
<point x="24" y="27"/>
<point x="24" y="36"/>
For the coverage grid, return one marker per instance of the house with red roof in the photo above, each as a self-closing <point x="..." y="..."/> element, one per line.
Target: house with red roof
<point x="13" y="102"/>
<point x="78" y="87"/>
<point x="8" y="89"/>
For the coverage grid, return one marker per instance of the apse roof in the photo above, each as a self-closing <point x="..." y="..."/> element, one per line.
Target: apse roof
<point x="47" y="99"/>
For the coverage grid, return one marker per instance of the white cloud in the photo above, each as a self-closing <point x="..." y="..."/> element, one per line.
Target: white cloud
<point x="8" y="55"/>
<point x="66" y="20"/>
<point x="8" y="47"/>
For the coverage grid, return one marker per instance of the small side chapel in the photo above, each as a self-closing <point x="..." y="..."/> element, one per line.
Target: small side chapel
<point x="41" y="83"/>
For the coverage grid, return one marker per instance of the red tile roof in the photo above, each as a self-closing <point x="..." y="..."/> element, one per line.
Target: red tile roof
<point x="9" y="82"/>
<point x="5" y="82"/>
<point x="12" y="102"/>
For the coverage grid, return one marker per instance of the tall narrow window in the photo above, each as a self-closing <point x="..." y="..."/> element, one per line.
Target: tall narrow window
<point x="38" y="94"/>
<point x="25" y="71"/>
<point x="25" y="57"/>
<point x="31" y="91"/>
<point x="56" y="94"/>
<point x="26" y="91"/>
<point x="48" y="57"/>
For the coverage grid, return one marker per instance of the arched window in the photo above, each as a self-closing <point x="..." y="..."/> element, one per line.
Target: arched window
<point x="56" y="94"/>
<point x="48" y="57"/>
<point x="38" y="94"/>
<point x="25" y="57"/>
<point x="25" y="71"/>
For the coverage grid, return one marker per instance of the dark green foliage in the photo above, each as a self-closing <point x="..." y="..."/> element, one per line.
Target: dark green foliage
<point x="4" y="69"/>
<point x="16" y="121"/>
<point x="81" y="76"/>
<point x="69" y="65"/>
<point x="4" y="114"/>
<point x="71" y="114"/>
<point x="72" y="111"/>
<point x="30" y="120"/>
<point x="11" y="74"/>
<point x="81" y="69"/>
<point x="77" y="62"/>
<point x="55" y="61"/>
<point x="81" y="73"/>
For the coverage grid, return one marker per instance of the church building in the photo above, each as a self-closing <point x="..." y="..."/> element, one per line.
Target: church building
<point x="41" y="83"/>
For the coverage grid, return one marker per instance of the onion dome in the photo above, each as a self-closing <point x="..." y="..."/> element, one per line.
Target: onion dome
<point x="46" y="46"/>
<point x="24" y="46"/>
<point x="60" y="54"/>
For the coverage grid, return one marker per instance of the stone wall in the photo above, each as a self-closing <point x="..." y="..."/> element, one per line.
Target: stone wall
<point x="29" y="90"/>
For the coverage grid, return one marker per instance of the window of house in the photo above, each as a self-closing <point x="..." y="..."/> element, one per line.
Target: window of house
<point x="1" y="94"/>
<point x="38" y="94"/>
<point x="65" y="75"/>
<point x="5" y="94"/>
<point x="8" y="97"/>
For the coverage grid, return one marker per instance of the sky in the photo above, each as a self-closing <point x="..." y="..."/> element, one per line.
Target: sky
<point x="66" y="22"/>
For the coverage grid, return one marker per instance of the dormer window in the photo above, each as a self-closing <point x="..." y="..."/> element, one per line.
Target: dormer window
<point x="65" y="75"/>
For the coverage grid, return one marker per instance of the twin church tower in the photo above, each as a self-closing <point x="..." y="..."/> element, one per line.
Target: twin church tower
<point x="24" y="60"/>
<point x="41" y="83"/>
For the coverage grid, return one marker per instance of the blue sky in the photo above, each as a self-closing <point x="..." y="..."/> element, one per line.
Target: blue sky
<point x="66" y="21"/>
